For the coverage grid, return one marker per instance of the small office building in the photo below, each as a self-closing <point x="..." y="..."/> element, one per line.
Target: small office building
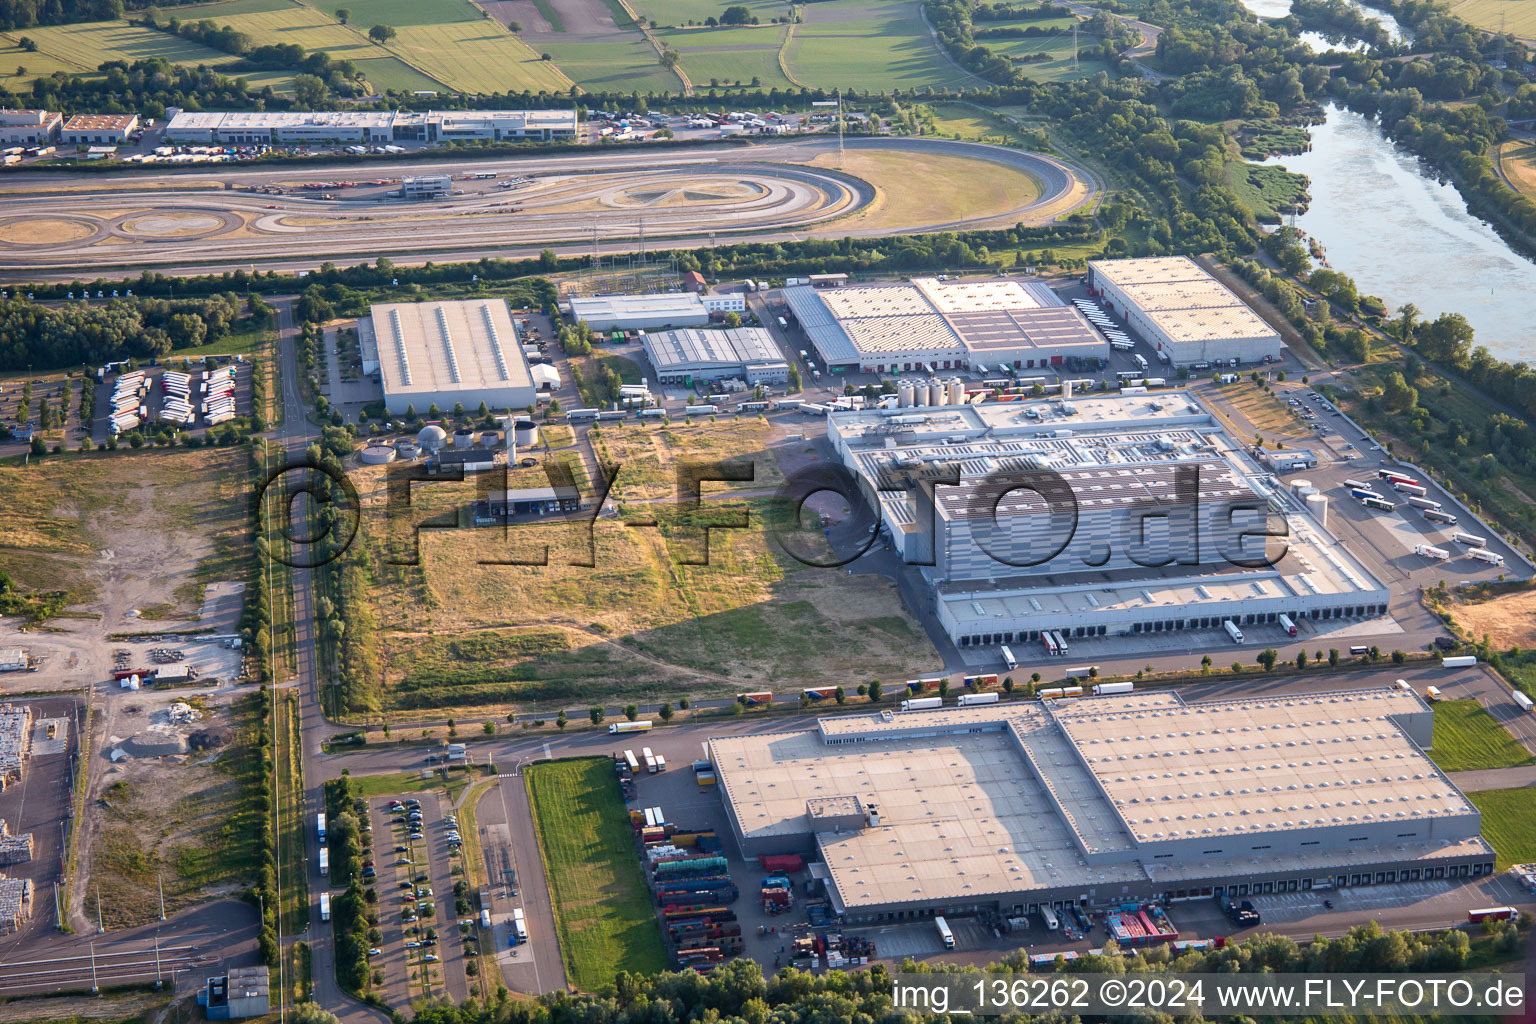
<point x="243" y="992"/>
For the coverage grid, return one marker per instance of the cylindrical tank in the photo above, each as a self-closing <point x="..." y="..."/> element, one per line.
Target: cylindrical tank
<point x="1297" y="485"/>
<point x="431" y="437"/>
<point x="464" y="438"/>
<point x="1066" y="390"/>
<point x="935" y="393"/>
<point x="956" y="391"/>
<point x="1305" y="492"/>
<point x="905" y="395"/>
<point x="377" y="455"/>
<point x="525" y="433"/>
<point x="1317" y="504"/>
<point x="920" y="393"/>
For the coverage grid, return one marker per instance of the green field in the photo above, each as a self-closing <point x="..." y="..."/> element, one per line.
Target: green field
<point x="612" y="66"/>
<point x="668" y="13"/>
<point x="1059" y="68"/>
<point x="1269" y="191"/>
<point x="1468" y="739"/>
<point x="477" y="56"/>
<point x="730" y="55"/>
<point x="1509" y="823"/>
<point x="602" y="907"/>
<point x="92" y="44"/>
<point x="305" y="26"/>
<point x="868" y="44"/>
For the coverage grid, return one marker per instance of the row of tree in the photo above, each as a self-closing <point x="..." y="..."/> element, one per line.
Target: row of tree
<point x="44" y="337"/>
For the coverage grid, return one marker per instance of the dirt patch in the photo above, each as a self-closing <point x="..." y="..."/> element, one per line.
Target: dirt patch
<point x="104" y="1008"/>
<point x="1509" y="621"/>
<point x="43" y="232"/>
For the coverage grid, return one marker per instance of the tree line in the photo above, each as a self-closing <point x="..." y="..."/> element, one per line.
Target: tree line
<point x="44" y="337"/>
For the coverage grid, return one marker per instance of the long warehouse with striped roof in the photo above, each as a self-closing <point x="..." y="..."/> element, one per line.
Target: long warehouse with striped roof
<point x="447" y="353"/>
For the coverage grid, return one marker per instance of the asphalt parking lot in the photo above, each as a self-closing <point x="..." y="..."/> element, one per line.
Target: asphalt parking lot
<point x="39" y="804"/>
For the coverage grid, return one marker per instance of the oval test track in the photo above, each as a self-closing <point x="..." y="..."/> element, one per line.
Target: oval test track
<point x="733" y="194"/>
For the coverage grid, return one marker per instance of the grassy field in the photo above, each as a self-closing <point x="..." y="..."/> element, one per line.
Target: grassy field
<point x="917" y="188"/>
<point x="669" y="13"/>
<point x="1059" y="48"/>
<point x="31" y="65"/>
<point x="88" y="45"/>
<point x="1517" y="158"/>
<point x="1468" y="739"/>
<point x="1509" y="823"/>
<point x="868" y="44"/>
<point x="602" y="908"/>
<point x="555" y="612"/>
<point x="730" y="56"/>
<point x="1268" y="191"/>
<point x="612" y="66"/>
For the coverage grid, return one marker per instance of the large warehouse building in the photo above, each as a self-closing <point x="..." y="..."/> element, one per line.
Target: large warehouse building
<point x="445" y="353"/>
<point x="1096" y="801"/>
<point x="1165" y="528"/>
<point x="682" y="357"/>
<point x="1184" y="311"/>
<point x="931" y="325"/>
<point x="278" y="127"/>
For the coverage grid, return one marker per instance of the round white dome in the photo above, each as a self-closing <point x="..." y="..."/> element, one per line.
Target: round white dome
<point x="431" y="436"/>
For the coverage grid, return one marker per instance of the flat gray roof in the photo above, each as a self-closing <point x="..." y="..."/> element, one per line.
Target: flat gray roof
<point x="689" y="347"/>
<point x="467" y="345"/>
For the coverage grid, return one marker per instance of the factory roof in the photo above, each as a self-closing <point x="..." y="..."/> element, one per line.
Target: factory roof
<point x="1148" y="269"/>
<point x="1155" y="484"/>
<point x="595" y="307"/>
<point x="100" y="122"/>
<point x="950" y="316"/>
<point x="693" y="346"/>
<point x="993" y="799"/>
<point x="1211" y="323"/>
<point x="430" y="347"/>
<point x="205" y="119"/>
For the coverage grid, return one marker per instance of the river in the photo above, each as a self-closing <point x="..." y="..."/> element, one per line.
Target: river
<point x="1280" y="8"/>
<point x="1408" y="238"/>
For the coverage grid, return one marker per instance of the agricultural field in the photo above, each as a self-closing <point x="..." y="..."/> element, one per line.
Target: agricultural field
<point x="602" y="907"/>
<point x="678" y="13"/>
<point x="1512" y="16"/>
<point x="710" y="59"/>
<point x="384" y="73"/>
<point x="86" y="46"/>
<point x="1509" y="823"/>
<point x="868" y="44"/>
<point x="477" y="56"/>
<point x="20" y="68"/>
<point x="1517" y="159"/>
<point x="917" y="188"/>
<point x="1468" y="739"/>
<point x="622" y="64"/>
<point x="1060" y="67"/>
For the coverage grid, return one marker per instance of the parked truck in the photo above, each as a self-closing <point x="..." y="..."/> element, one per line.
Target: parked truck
<point x="1232" y="631"/>
<point x="1459" y="661"/>
<point x="1471" y="540"/>
<point x="325" y="860"/>
<point x="1417" y="502"/>
<point x="1009" y="659"/>
<point x="967" y="699"/>
<point x="1287" y="624"/>
<point x="1108" y="689"/>
<point x="1484" y="555"/>
<point x="1525" y="703"/>
<point x="947" y="936"/>
<point x="1428" y="551"/>
<point x="643" y="725"/>
<point x="325" y="906"/>
<point x="922" y="703"/>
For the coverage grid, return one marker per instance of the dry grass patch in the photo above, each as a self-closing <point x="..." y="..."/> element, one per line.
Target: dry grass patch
<point x="915" y="189"/>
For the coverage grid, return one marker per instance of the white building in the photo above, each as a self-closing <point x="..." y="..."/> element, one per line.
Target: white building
<point x="368" y="126"/>
<point x="29" y="127"/>
<point x="931" y="325"/>
<point x="1184" y="311"/>
<point x="13" y="659"/>
<point x="426" y="186"/>
<point x="98" y="129"/>
<point x="446" y="353"/>
<point x="691" y="355"/>
<point x="1156" y="525"/>
<point x="640" y="312"/>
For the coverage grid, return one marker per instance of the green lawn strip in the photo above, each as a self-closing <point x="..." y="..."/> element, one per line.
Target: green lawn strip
<point x="1468" y="739"/>
<point x="547" y="11"/>
<point x="602" y="907"/>
<point x="1509" y="823"/>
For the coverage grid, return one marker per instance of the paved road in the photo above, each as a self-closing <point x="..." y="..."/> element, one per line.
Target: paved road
<point x="790" y="201"/>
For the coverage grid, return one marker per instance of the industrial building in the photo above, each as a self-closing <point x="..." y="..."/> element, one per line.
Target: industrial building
<point x="98" y="129"/>
<point x="447" y="353"/>
<point x="268" y="128"/>
<point x="685" y="356"/>
<point x="930" y="325"/>
<point x="30" y="127"/>
<point x="1097" y="801"/>
<point x="1183" y="311"/>
<point x="15" y="743"/>
<point x="426" y="186"/>
<point x="13" y="659"/>
<point x="15" y="903"/>
<point x="542" y="501"/>
<point x="243" y="992"/>
<point x="1158" y="522"/>
<point x="640" y="312"/>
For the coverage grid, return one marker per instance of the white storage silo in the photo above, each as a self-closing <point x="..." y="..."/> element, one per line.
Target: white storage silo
<point x="378" y="455"/>
<point x="935" y="393"/>
<point x="1317" y="504"/>
<point x="904" y="394"/>
<point x="1297" y="485"/>
<point x="525" y="433"/>
<point x="956" y="391"/>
